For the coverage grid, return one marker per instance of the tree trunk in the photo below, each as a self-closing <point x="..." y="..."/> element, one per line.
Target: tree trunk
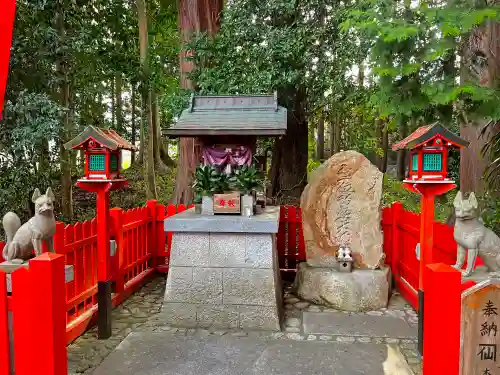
<point x="134" y="131"/>
<point x="164" y="152"/>
<point x="336" y="131"/>
<point x="142" y="141"/>
<point x="289" y="164"/>
<point x="472" y="163"/>
<point x="320" y="141"/>
<point x="44" y="160"/>
<point x="100" y="110"/>
<point x="160" y="165"/>
<point x="194" y="16"/>
<point x="64" y="156"/>
<point x="113" y="103"/>
<point x="147" y="116"/>
<point x="119" y="105"/>
<point x="385" y="148"/>
<point x="401" y="160"/>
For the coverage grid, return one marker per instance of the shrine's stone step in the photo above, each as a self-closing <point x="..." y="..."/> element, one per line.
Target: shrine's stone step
<point x="169" y="354"/>
<point x="338" y="323"/>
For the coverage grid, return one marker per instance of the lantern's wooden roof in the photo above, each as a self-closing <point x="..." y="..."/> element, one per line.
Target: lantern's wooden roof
<point x="426" y="133"/>
<point x="106" y="137"/>
<point x="231" y="115"/>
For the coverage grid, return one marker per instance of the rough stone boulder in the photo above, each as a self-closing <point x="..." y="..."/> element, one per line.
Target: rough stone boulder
<point x="341" y="207"/>
<point x="361" y="290"/>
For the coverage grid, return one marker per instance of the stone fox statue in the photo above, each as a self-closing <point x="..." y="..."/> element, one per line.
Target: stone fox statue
<point x="22" y="240"/>
<point x="471" y="234"/>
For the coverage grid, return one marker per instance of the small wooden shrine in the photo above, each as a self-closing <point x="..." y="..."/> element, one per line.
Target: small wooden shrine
<point x="429" y="146"/>
<point x="227" y="128"/>
<point x="102" y="148"/>
<point x="235" y="280"/>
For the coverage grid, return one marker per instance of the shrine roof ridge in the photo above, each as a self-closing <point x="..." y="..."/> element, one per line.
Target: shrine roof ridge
<point x="231" y="115"/>
<point x="427" y="132"/>
<point x="106" y="137"/>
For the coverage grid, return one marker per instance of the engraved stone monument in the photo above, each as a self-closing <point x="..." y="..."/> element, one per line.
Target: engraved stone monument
<point x="341" y="209"/>
<point x="480" y="336"/>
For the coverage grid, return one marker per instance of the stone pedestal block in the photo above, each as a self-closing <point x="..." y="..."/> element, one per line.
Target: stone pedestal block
<point x="226" y="276"/>
<point x="360" y="290"/>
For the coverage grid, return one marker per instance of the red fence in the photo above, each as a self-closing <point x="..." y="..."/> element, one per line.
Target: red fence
<point x="290" y="240"/>
<point x="401" y="235"/>
<point x="35" y="313"/>
<point x="143" y="248"/>
<point x="401" y="230"/>
<point x="138" y="234"/>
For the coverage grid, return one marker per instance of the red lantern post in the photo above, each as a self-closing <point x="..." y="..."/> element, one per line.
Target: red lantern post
<point x="102" y="150"/>
<point x="428" y="176"/>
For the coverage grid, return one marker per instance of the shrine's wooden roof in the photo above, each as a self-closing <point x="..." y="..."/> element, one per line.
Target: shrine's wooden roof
<point x="427" y="132"/>
<point x="231" y="115"/>
<point x="106" y="137"/>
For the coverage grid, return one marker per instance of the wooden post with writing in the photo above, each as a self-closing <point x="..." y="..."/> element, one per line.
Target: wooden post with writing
<point x="480" y="319"/>
<point x="441" y="349"/>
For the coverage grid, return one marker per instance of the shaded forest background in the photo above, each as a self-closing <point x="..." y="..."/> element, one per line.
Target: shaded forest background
<point x="353" y="74"/>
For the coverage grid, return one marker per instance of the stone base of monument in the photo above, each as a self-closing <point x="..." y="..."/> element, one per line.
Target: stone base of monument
<point x="224" y="272"/>
<point x="360" y="290"/>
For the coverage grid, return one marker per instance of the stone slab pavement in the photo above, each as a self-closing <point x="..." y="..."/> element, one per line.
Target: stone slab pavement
<point x="337" y="323"/>
<point x="165" y="353"/>
<point x="140" y="316"/>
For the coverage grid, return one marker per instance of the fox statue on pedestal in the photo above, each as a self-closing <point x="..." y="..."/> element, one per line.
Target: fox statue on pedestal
<point x="22" y="240"/>
<point x="473" y="238"/>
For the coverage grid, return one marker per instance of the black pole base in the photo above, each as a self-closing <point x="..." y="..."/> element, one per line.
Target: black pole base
<point x="421" y="322"/>
<point x="104" y="310"/>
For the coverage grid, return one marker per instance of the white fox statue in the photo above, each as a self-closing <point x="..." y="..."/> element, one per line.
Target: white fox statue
<point x="471" y="234"/>
<point x="22" y="240"/>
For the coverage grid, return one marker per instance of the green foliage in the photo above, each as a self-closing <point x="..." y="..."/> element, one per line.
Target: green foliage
<point x="207" y="179"/>
<point x="393" y="191"/>
<point x="489" y="205"/>
<point x="223" y="183"/>
<point x="246" y="179"/>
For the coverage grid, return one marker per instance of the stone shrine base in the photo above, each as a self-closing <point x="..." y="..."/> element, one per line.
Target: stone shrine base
<point x="357" y="291"/>
<point x="224" y="272"/>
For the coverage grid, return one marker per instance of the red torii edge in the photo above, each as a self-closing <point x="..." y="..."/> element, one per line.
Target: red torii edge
<point x="8" y="8"/>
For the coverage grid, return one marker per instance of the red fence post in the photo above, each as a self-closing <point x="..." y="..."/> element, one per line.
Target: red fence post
<point x="59" y="238"/>
<point x="23" y="313"/>
<point x="4" y="327"/>
<point x="160" y="236"/>
<point x="48" y="315"/>
<point x="116" y="215"/>
<point x="442" y="293"/>
<point x="152" y="249"/>
<point x="397" y="215"/>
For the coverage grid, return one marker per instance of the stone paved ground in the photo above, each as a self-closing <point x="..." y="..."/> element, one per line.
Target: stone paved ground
<point x="140" y="313"/>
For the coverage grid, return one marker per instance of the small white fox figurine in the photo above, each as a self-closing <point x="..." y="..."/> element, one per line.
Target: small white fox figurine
<point x="471" y="234"/>
<point x="22" y="240"/>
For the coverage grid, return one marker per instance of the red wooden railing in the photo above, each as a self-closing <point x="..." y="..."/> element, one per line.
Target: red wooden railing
<point x="290" y="240"/>
<point x="401" y="234"/>
<point x="142" y="248"/>
<point x="135" y="232"/>
<point x="37" y="305"/>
